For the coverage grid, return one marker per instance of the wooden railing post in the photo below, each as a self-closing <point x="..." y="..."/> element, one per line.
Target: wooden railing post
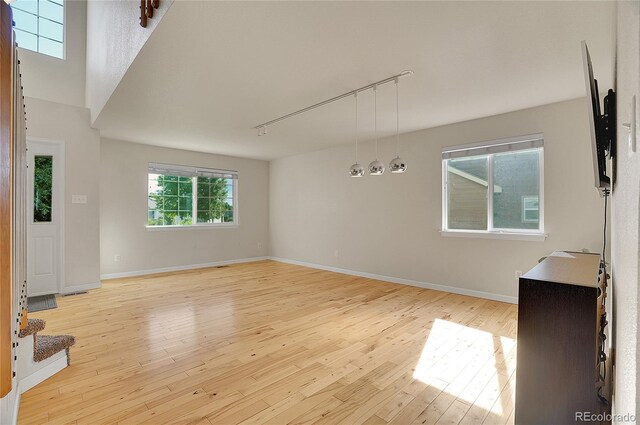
<point x="7" y="315"/>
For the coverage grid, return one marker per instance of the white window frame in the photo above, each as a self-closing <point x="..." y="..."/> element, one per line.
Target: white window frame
<point x="38" y="36"/>
<point x="489" y="149"/>
<point x="196" y="172"/>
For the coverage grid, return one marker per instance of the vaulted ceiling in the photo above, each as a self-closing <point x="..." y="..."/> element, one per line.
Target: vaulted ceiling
<point x="212" y="70"/>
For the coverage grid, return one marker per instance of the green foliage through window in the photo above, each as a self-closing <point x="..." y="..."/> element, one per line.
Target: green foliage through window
<point x="42" y="188"/>
<point x="181" y="201"/>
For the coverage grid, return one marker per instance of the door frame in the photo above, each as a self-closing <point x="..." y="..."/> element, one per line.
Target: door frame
<point x="60" y="203"/>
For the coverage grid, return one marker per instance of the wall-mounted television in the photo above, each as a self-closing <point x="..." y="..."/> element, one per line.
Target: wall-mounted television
<point x="602" y="125"/>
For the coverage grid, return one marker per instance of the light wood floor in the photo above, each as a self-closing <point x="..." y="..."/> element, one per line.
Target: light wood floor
<point x="272" y="343"/>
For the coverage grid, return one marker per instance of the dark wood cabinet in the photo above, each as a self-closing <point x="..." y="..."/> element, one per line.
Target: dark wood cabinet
<point x="559" y="322"/>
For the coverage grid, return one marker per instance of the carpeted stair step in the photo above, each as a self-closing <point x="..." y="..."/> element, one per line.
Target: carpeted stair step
<point x="33" y="327"/>
<point x="47" y="345"/>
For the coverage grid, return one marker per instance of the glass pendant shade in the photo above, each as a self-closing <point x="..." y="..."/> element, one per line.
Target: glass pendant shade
<point x="356" y="170"/>
<point x="397" y="165"/>
<point x="376" y="168"/>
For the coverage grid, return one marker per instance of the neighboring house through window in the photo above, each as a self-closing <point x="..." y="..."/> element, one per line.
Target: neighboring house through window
<point x="494" y="187"/>
<point x="39" y="26"/>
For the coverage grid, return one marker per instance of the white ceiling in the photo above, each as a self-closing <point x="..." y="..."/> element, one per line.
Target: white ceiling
<point x="212" y="70"/>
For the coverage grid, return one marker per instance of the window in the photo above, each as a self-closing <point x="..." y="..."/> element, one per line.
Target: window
<point x="494" y="188"/>
<point x="191" y="196"/>
<point x="42" y="188"/>
<point x="530" y="209"/>
<point x="39" y="26"/>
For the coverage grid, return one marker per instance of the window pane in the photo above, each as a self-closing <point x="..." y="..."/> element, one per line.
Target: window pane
<point x="26" y="40"/>
<point x="213" y="195"/>
<point x="516" y="190"/>
<point x="467" y="193"/>
<point x="25" y="21"/>
<point x="42" y="188"/>
<point x="39" y="26"/>
<point x="51" y="48"/>
<point x="184" y="204"/>
<point x="50" y="10"/>
<point x="165" y="207"/>
<point x="30" y="6"/>
<point x="50" y="29"/>
<point x="204" y="217"/>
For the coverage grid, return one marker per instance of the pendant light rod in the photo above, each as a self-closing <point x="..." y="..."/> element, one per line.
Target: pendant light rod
<point x="333" y="99"/>
<point x="375" y="116"/>
<point x="356" y="97"/>
<point x="397" y="119"/>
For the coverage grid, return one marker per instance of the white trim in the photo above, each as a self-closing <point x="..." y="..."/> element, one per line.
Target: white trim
<point x="426" y="285"/>
<point x="541" y="190"/>
<point x="514" y="236"/>
<point x="499" y="145"/>
<point x="193" y="226"/>
<point x="80" y="288"/>
<point x="16" y="407"/>
<point x="108" y="276"/>
<point x="45" y="373"/>
<point x="490" y="192"/>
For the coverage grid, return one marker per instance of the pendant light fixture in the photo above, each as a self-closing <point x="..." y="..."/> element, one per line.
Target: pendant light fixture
<point x="356" y="169"/>
<point x="397" y="165"/>
<point x="376" y="168"/>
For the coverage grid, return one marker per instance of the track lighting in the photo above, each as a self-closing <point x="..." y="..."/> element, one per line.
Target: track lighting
<point x="376" y="167"/>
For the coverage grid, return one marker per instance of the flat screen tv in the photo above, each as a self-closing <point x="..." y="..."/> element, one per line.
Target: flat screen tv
<point x="602" y="125"/>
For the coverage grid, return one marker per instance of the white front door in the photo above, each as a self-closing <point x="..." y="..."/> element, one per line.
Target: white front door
<point x="44" y="217"/>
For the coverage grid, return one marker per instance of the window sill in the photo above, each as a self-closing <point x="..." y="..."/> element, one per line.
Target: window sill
<point x="516" y="236"/>
<point x="192" y="227"/>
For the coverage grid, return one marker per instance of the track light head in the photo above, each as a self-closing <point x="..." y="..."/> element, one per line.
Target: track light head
<point x="397" y="165"/>
<point x="356" y="170"/>
<point x="376" y="168"/>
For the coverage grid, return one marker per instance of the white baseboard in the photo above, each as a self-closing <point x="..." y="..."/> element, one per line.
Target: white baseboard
<point x="426" y="285"/>
<point x="179" y="268"/>
<point x="16" y="407"/>
<point x="46" y="372"/>
<point x="9" y="406"/>
<point x="80" y="288"/>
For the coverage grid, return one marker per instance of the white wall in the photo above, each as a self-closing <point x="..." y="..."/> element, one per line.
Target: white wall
<point x="625" y="210"/>
<point x="389" y="225"/>
<point x="57" y="80"/>
<point x="123" y="212"/>
<point x="114" y="39"/>
<point x="70" y="124"/>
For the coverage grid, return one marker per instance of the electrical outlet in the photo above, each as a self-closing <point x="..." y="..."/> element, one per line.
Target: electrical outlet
<point x="518" y="274"/>
<point x="116" y="258"/>
<point x="336" y="253"/>
<point x="259" y="245"/>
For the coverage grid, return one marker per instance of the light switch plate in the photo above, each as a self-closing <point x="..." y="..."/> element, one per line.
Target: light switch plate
<point x="78" y="199"/>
